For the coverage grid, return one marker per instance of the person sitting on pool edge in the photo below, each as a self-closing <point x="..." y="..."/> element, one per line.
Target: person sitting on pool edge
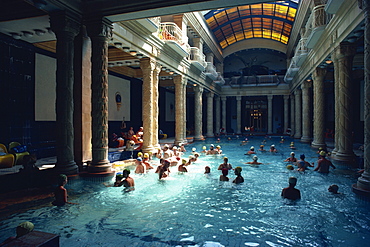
<point x="225" y="164"/>
<point x="60" y="192"/>
<point x="223" y="176"/>
<point x="21" y="230"/>
<point x="238" y="172"/>
<point x="254" y="162"/>
<point x="324" y="164"/>
<point x="291" y="192"/>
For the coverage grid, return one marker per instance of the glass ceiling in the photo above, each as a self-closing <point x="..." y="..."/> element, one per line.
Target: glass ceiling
<point x="264" y="20"/>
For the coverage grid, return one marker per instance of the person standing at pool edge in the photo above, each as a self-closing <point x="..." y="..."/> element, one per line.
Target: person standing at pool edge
<point x="291" y="192"/>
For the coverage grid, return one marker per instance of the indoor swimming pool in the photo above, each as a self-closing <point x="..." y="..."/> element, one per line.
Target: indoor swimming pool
<point x="196" y="209"/>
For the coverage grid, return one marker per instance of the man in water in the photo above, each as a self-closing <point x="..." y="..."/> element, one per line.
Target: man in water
<point x="60" y="192"/>
<point x="140" y="168"/>
<point x="302" y="164"/>
<point x="212" y="150"/>
<point x="333" y="189"/>
<point x="224" y="177"/>
<point x="225" y="164"/>
<point x="292" y="158"/>
<point x="254" y="162"/>
<point x="238" y="172"/>
<point x="323" y="164"/>
<point x="164" y="170"/>
<point x="291" y="192"/>
<point x="128" y="182"/>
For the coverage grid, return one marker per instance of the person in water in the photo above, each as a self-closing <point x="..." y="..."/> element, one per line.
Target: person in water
<point x="255" y="161"/>
<point x="225" y="164"/>
<point x="164" y="171"/>
<point x="238" y="172"/>
<point x="324" y="164"/>
<point x="21" y="230"/>
<point x="292" y="158"/>
<point x="60" y="192"/>
<point x="223" y="176"/>
<point x="273" y="149"/>
<point x="207" y="170"/>
<point x="128" y="182"/>
<point x="140" y="167"/>
<point x="251" y="150"/>
<point x="333" y="189"/>
<point x="262" y="148"/>
<point x="182" y="168"/>
<point x="290" y="192"/>
<point x="302" y="164"/>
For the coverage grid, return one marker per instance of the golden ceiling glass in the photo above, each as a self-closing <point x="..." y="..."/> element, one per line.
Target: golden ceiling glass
<point x="264" y="20"/>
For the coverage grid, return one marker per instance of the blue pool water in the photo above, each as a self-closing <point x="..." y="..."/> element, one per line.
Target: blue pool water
<point x="195" y="209"/>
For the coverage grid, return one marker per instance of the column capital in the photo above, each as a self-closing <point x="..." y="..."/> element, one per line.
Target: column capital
<point x="99" y="27"/>
<point x="306" y="85"/>
<point x="319" y="73"/>
<point x="148" y="64"/>
<point x="298" y="91"/>
<point x="210" y="94"/>
<point x="344" y="50"/>
<point x="238" y="98"/>
<point x="270" y="97"/>
<point x="198" y="89"/>
<point x="286" y="97"/>
<point x="223" y="98"/>
<point x="62" y="21"/>
<point x="179" y="79"/>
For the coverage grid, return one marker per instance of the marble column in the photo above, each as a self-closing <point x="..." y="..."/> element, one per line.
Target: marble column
<point x="286" y="113"/>
<point x="179" y="102"/>
<point x="100" y="32"/>
<point x="198" y="115"/>
<point x="298" y="114"/>
<point x="65" y="28"/>
<point x="336" y="98"/>
<point x="238" y="114"/>
<point x="306" y="112"/>
<point x="344" y="54"/>
<point x="223" y="100"/>
<point x="269" y="114"/>
<point x="147" y="66"/>
<point x="184" y="140"/>
<point x="218" y="114"/>
<point x="155" y="118"/>
<point x="363" y="183"/>
<point x="210" y="132"/>
<point x="319" y="108"/>
<point x="292" y="115"/>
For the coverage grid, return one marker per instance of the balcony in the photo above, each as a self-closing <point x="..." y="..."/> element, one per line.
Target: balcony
<point x="197" y="59"/>
<point x="332" y="6"/>
<point x="220" y="80"/>
<point x="253" y="81"/>
<point x="292" y="70"/>
<point x="151" y="24"/>
<point x="301" y="52"/>
<point x="211" y="71"/>
<point x="316" y="25"/>
<point x="172" y="35"/>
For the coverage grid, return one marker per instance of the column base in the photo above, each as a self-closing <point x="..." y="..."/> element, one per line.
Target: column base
<point x="99" y="167"/>
<point x="344" y="157"/>
<point x="148" y="149"/>
<point x="306" y="139"/>
<point x="318" y="145"/>
<point x="210" y="135"/>
<point x="67" y="169"/>
<point x="98" y="176"/>
<point x="199" y="138"/>
<point x="362" y="187"/>
<point x="297" y="136"/>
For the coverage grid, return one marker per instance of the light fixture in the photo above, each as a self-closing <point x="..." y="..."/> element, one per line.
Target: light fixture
<point x="328" y="61"/>
<point x="39" y="32"/>
<point x="133" y="52"/>
<point x="358" y="33"/>
<point x="119" y="63"/>
<point x="164" y="68"/>
<point x="128" y="62"/>
<point x="352" y="39"/>
<point x="27" y="34"/>
<point x="139" y="55"/>
<point x="15" y="35"/>
<point x="126" y="49"/>
<point x="137" y="61"/>
<point x="194" y="85"/>
<point x="110" y="64"/>
<point x="171" y="72"/>
<point x="118" y="44"/>
<point x="168" y="70"/>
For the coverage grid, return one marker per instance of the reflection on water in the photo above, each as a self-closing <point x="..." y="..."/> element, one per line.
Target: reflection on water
<point x="195" y="209"/>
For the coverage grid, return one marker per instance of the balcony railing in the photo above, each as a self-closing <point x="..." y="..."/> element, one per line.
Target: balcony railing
<point x="211" y="71"/>
<point x="172" y="34"/>
<point x="198" y="59"/>
<point x="316" y="24"/>
<point x="292" y="70"/>
<point x="301" y="51"/>
<point x="220" y="80"/>
<point x="252" y="81"/>
<point x="152" y="24"/>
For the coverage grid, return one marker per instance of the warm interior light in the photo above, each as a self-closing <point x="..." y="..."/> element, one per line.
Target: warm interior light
<point x="171" y="73"/>
<point x="133" y="52"/>
<point x="328" y="61"/>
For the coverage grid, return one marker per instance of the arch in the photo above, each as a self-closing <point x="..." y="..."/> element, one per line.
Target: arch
<point x="254" y="43"/>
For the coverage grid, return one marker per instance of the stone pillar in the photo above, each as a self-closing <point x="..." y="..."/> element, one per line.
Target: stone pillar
<point x="65" y="28"/>
<point x="198" y="42"/>
<point x="363" y="182"/>
<point x="298" y="114"/>
<point x="82" y="99"/>
<point x="292" y="115"/>
<point x="210" y="132"/>
<point x="100" y="32"/>
<point x="209" y="57"/>
<point x="198" y="115"/>
<point x="223" y="99"/>
<point x="184" y="140"/>
<point x="306" y="109"/>
<point x="344" y="54"/>
<point x="147" y="66"/>
<point x="286" y="113"/>
<point x="336" y="99"/>
<point x="179" y="116"/>
<point x="319" y="110"/>
<point x="269" y="114"/>
<point x="218" y="114"/>
<point x="155" y="117"/>
<point x="238" y="114"/>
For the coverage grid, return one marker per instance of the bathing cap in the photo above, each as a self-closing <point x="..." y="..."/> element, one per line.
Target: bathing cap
<point x="139" y="154"/>
<point x="261" y="146"/>
<point x="320" y="148"/>
<point x="146" y="155"/>
<point x="204" y="147"/>
<point x="218" y="147"/>
<point x="196" y="154"/>
<point x="212" y="145"/>
<point x="302" y="156"/>
<point x="193" y="149"/>
<point x="255" y="158"/>
<point x="273" y="145"/>
<point x="24" y="228"/>
<point x="225" y="158"/>
<point x="292" y="144"/>
<point x="292" y="180"/>
<point x="139" y="159"/>
<point x="184" y="161"/>
<point x="252" y="148"/>
<point x="322" y="153"/>
<point x="180" y="144"/>
<point x="292" y="153"/>
<point x="165" y="146"/>
<point x="126" y="171"/>
<point x="174" y="147"/>
<point x="239" y="169"/>
<point x="289" y="167"/>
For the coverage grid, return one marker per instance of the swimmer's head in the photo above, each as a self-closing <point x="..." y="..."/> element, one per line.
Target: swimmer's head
<point x="207" y="169"/>
<point x="302" y="156"/>
<point x="181" y="144"/>
<point x="212" y="145"/>
<point x="126" y="173"/>
<point x="292" y="144"/>
<point x="273" y="146"/>
<point x="178" y="158"/>
<point x="333" y="188"/>
<point x="289" y="167"/>
<point x="139" y="154"/>
<point x="262" y="146"/>
<point x="320" y="148"/>
<point x="322" y="153"/>
<point x="226" y="159"/>
<point x="146" y="156"/>
<point x="218" y="147"/>
<point x="184" y="161"/>
<point x="62" y="179"/>
<point x="255" y="158"/>
<point x="119" y="177"/>
<point x="293" y="180"/>
<point x="204" y="147"/>
<point x="24" y="228"/>
<point x="292" y="153"/>
<point x="196" y="155"/>
<point x="252" y="148"/>
<point x="166" y="146"/>
<point x="238" y="170"/>
<point x="193" y="149"/>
